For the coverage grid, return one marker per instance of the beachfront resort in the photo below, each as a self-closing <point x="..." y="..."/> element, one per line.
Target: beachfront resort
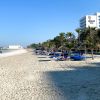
<point x="63" y="68"/>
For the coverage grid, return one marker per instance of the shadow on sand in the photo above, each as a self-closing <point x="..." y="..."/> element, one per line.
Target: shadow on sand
<point x="81" y="83"/>
<point x="42" y="57"/>
<point x="43" y="60"/>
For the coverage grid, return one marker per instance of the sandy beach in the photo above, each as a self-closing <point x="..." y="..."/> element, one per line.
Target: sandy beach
<point x="27" y="76"/>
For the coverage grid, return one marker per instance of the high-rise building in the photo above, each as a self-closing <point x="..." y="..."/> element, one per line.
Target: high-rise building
<point x="90" y="21"/>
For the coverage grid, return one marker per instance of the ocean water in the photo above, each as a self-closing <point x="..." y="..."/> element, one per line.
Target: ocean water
<point x="6" y="50"/>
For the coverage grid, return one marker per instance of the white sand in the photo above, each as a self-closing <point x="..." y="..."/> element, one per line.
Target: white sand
<point x="30" y="77"/>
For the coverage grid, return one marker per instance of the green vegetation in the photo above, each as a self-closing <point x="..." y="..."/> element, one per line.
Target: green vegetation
<point x="88" y="39"/>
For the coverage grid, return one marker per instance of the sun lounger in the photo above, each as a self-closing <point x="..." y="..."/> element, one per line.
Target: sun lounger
<point x="77" y="57"/>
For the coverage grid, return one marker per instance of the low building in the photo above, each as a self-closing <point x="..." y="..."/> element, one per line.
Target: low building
<point x="15" y="47"/>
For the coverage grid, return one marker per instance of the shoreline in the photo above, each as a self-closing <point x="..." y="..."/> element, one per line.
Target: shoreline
<point x="12" y="53"/>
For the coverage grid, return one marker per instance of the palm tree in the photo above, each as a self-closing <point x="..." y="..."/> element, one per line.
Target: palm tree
<point x="57" y="41"/>
<point x="70" y="41"/>
<point x="49" y="44"/>
<point x="97" y="39"/>
<point x="78" y="30"/>
<point x="62" y="40"/>
<point x="89" y="38"/>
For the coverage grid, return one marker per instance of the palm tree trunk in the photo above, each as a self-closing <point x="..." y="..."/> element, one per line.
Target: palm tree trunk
<point x="92" y="54"/>
<point x="85" y="52"/>
<point x="69" y="52"/>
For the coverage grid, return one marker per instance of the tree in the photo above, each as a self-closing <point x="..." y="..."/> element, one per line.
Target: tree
<point x="48" y="44"/>
<point x="70" y="41"/>
<point x="62" y="40"/>
<point x="89" y="37"/>
<point x="33" y="45"/>
<point x="57" y="41"/>
<point x="78" y="30"/>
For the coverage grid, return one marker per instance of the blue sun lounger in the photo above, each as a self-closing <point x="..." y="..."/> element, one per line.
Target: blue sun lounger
<point x="77" y="57"/>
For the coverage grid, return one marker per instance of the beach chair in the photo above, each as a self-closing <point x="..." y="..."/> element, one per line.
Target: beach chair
<point x="77" y="57"/>
<point x="62" y="58"/>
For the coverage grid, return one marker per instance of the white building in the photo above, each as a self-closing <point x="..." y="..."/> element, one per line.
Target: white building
<point x="90" y="21"/>
<point x="15" y="47"/>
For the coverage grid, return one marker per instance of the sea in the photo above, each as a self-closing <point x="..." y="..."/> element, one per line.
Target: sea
<point x="6" y="50"/>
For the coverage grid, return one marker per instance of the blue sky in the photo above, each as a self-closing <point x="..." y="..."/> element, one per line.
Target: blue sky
<point x="28" y="21"/>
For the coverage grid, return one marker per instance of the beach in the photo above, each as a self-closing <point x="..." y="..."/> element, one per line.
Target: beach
<point x="26" y="76"/>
